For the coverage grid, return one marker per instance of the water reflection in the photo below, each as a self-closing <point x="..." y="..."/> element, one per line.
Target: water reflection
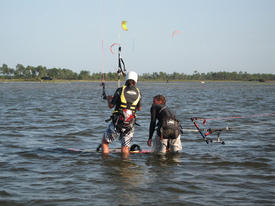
<point x="164" y="160"/>
<point x="126" y="177"/>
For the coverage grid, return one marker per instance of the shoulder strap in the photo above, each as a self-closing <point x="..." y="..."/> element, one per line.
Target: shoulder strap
<point x="171" y="115"/>
<point x="163" y="108"/>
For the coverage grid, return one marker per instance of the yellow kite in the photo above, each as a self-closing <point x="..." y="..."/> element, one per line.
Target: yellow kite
<point x="124" y="25"/>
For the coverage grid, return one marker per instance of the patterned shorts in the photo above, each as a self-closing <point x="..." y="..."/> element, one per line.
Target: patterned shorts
<point x="111" y="134"/>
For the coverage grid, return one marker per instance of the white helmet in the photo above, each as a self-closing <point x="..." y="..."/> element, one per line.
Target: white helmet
<point x="132" y="75"/>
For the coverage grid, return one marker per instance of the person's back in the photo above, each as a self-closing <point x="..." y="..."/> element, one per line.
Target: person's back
<point x="128" y="96"/>
<point x="168" y="131"/>
<point x="126" y="101"/>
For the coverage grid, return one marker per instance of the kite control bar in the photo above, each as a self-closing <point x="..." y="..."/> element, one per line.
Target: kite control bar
<point x="208" y="131"/>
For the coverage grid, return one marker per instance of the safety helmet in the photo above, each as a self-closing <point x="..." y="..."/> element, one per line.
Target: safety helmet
<point x="132" y="75"/>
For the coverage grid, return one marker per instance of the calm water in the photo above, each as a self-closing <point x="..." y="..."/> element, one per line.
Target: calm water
<point x="40" y="121"/>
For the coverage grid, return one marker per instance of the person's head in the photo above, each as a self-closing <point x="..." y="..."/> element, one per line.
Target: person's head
<point x="131" y="78"/>
<point x="159" y="99"/>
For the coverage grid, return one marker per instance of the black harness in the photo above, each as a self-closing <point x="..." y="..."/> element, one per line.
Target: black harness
<point x="169" y="127"/>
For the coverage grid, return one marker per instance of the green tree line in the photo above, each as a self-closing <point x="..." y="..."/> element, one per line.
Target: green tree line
<point x="40" y="72"/>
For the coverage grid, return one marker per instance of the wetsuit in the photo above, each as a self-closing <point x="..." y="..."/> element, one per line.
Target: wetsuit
<point x="161" y="112"/>
<point x="158" y="112"/>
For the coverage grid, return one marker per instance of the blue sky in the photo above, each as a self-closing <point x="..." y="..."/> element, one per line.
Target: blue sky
<point x="216" y="35"/>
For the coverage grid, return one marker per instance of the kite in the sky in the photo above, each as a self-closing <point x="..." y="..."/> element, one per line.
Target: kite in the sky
<point x="124" y="25"/>
<point x="111" y="47"/>
<point x="175" y="32"/>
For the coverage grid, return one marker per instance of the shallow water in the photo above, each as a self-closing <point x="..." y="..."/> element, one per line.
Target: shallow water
<point x="40" y="121"/>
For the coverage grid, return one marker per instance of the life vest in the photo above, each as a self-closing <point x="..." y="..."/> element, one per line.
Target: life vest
<point x="129" y="105"/>
<point x="124" y="116"/>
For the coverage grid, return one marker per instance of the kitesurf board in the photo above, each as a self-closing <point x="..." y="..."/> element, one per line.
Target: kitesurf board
<point x="117" y="150"/>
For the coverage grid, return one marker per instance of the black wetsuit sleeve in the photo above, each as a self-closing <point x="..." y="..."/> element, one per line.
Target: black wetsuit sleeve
<point x="139" y="102"/>
<point x="153" y="112"/>
<point x="116" y="98"/>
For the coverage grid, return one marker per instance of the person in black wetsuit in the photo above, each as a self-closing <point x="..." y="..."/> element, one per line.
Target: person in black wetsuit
<point x="168" y="128"/>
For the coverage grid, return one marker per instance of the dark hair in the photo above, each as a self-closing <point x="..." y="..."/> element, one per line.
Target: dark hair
<point x="161" y="98"/>
<point x="130" y="82"/>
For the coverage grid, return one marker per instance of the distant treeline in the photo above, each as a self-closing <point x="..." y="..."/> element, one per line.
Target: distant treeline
<point x="41" y="72"/>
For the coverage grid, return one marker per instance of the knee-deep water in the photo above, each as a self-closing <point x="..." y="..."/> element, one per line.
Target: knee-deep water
<point x="40" y="121"/>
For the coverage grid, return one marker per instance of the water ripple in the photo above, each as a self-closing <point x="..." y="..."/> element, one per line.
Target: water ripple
<point x="40" y="122"/>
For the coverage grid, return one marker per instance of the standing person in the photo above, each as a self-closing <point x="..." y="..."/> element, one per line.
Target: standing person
<point x="127" y="99"/>
<point x="168" y="128"/>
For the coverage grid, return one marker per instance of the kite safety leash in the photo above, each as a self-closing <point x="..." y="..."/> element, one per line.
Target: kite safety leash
<point x="121" y="67"/>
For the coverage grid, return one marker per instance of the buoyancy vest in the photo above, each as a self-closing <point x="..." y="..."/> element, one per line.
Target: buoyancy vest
<point x="130" y="98"/>
<point x="124" y="115"/>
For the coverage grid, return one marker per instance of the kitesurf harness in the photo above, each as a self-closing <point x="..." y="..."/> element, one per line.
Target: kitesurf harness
<point x="124" y="116"/>
<point x="207" y="131"/>
<point x="170" y="126"/>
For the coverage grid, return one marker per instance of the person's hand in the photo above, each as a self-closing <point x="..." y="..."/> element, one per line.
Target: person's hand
<point x="149" y="142"/>
<point x="109" y="98"/>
